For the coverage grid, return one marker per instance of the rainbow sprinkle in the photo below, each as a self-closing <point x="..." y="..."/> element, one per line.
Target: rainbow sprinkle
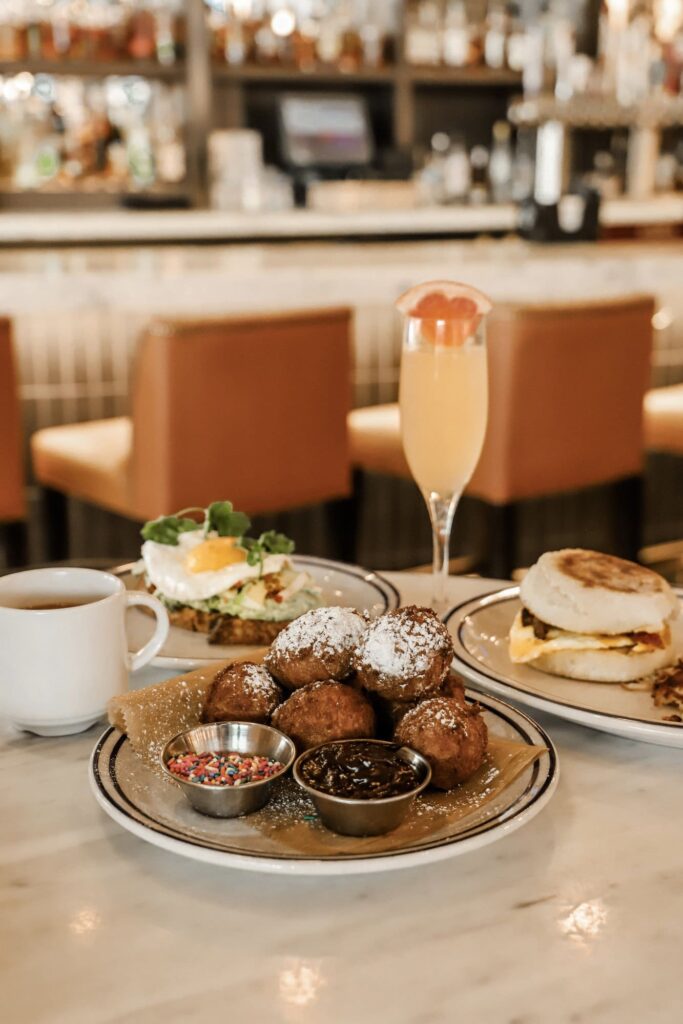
<point x="216" y="768"/>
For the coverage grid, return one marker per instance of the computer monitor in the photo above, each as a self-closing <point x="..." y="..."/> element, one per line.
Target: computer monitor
<point x="325" y="131"/>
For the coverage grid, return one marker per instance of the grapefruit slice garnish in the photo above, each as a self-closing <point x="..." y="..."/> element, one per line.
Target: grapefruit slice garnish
<point x="450" y="312"/>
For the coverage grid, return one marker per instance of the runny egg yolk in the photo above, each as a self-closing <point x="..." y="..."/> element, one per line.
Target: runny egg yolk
<point x="214" y="554"/>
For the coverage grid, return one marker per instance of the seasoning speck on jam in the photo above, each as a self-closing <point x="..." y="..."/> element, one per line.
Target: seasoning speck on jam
<point x="361" y="770"/>
<point x="222" y="769"/>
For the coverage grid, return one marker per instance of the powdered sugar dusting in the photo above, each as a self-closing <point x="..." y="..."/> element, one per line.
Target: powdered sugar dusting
<point x="256" y="681"/>
<point x="322" y="632"/>
<point x="442" y="711"/>
<point x="402" y="644"/>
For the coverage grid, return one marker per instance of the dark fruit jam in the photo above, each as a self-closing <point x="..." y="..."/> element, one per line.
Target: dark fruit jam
<point x="361" y="770"/>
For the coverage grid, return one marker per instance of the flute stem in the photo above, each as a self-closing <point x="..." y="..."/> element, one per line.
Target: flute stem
<point x="441" y="512"/>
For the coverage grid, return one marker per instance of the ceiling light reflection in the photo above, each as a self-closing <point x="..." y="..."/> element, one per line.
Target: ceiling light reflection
<point x="662" y="319"/>
<point x="85" y="921"/>
<point x="300" y="982"/>
<point x="584" y="922"/>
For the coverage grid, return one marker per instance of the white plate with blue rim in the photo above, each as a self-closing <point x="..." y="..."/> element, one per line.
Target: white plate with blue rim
<point x="341" y="584"/>
<point x="152" y="808"/>
<point x="480" y="628"/>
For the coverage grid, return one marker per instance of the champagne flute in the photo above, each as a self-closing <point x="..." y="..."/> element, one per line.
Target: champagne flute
<point x="443" y="398"/>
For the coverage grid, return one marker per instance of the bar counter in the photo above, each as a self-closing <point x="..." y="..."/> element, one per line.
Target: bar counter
<point x="122" y="226"/>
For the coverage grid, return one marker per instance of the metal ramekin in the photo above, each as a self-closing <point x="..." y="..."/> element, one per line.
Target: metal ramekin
<point x="352" y="817"/>
<point x="244" y="738"/>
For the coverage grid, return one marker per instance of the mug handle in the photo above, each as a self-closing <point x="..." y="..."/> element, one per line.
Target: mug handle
<point x="154" y="644"/>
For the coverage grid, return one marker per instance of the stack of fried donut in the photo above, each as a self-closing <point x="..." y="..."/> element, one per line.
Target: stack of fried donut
<point x="349" y="678"/>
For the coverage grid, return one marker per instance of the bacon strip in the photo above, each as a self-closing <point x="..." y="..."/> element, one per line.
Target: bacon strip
<point x="650" y="639"/>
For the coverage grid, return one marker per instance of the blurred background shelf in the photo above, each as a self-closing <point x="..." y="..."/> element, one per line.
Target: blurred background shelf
<point x="96" y="69"/>
<point x="479" y="77"/>
<point x="302" y="76"/>
<point x="454" y="90"/>
<point x="440" y="76"/>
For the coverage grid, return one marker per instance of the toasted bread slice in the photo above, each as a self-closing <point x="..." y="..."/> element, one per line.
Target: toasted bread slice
<point x="230" y="630"/>
<point x="224" y="629"/>
<point x="195" y="621"/>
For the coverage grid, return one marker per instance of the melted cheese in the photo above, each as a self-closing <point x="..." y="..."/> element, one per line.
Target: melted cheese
<point x="525" y="645"/>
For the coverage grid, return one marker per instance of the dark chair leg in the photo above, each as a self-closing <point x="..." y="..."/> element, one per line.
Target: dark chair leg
<point x="16" y="544"/>
<point x="502" y="537"/>
<point x="55" y="515"/>
<point x="343" y="517"/>
<point x="627" y="497"/>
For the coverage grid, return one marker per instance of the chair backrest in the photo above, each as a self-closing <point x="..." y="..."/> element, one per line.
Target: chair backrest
<point x="566" y="397"/>
<point x="250" y="408"/>
<point x="12" y="494"/>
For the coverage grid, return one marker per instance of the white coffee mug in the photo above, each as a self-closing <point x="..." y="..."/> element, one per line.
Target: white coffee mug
<point x="63" y="646"/>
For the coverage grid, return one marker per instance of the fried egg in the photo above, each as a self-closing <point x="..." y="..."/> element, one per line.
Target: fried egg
<point x="525" y="646"/>
<point x="198" y="568"/>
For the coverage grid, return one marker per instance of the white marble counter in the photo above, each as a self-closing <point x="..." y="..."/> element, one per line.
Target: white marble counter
<point x="109" y="226"/>
<point x="577" y="917"/>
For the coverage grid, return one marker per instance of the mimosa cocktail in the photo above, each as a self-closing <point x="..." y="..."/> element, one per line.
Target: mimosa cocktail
<point x="443" y="400"/>
<point x="444" y="405"/>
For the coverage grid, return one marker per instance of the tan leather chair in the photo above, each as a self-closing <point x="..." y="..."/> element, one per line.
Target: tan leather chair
<point x="663" y="414"/>
<point x="12" y="491"/>
<point x="664" y="420"/>
<point x="250" y="408"/>
<point x="565" y="412"/>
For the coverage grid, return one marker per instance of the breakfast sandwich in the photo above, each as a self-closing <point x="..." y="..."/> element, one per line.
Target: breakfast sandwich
<point x="594" y="617"/>
<point x="213" y="578"/>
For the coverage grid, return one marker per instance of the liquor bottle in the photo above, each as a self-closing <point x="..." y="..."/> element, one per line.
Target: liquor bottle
<point x="516" y="40"/>
<point x="234" y="49"/>
<point x="164" y="36"/>
<point x="266" y="44"/>
<point x="141" y="42"/>
<point x="457" y="173"/>
<point x="431" y="178"/>
<point x="372" y="44"/>
<point x="305" y="42"/>
<point x="533" y="72"/>
<point x="13" y="43"/>
<point x="479" y="161"/>
<point x="140" y="155"/>
<point x="57" y="32"/>
<point x="329" y="42"/>
<point x="351" y="55"/>
<point x="500" y="163"/>
<point x="283" y="25"/>
<point x="495" y="38"/>
<point x="523" y="166"/>
<point x="457" y="35"/>
<point x="33" y="18"/>
<point x="423" y="33"/>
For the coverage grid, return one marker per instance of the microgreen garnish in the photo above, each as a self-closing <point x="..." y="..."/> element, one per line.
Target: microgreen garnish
<point x="221" y="517"/>
<point x="269" y="543"/>
<point x="167" y="529"/>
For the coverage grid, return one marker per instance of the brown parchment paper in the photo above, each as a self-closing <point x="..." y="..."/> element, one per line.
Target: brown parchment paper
<point x="152" y="716"/>
<point x="289" y="824"/>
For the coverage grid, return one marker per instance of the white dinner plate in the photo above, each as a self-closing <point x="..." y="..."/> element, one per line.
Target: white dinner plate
<point x="341" y="584"/>
<point x="154" y="809"/>
<point x="480" y="627"/>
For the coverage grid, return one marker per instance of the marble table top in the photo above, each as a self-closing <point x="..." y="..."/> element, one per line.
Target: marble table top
<point x="578" y="917"/>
